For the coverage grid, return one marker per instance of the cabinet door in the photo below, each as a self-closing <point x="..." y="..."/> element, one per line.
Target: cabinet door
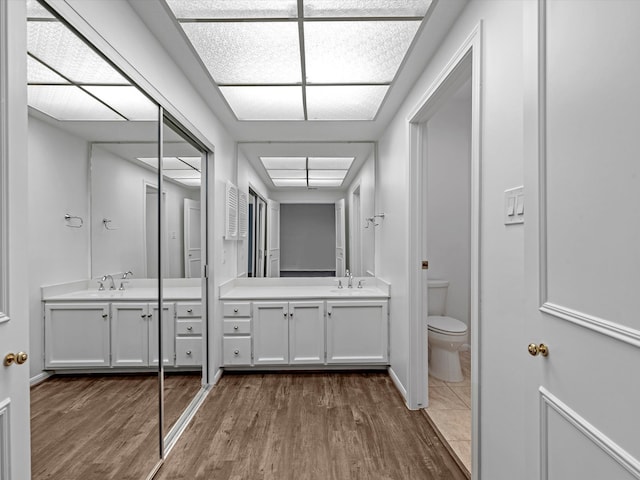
<point x="76" y="335"/>
<point x="306" y="332"/>
<point x="271" y="333"/>
<point x="357" y="332"/>
<point x="168" y="333"/>
<point x="130" y="335"/>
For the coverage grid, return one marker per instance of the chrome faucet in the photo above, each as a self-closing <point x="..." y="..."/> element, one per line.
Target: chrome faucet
<point x="124" y="277"/>
<point x="113" y="284"/>
<point x="350" y="284"/>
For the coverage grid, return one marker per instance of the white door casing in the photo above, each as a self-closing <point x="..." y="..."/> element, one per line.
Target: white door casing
<point x="192" y="238"/>
<point x="273" y="239"/>
<point x="582" y="231"/>
<point x="340" y="238"/>
<point x="261" y="241"/>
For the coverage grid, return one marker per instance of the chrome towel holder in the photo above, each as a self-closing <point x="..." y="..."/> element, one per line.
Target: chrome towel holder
<point x="70" y="221"/>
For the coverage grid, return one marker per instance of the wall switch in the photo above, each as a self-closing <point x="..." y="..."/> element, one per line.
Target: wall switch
<point x="514" y="206"/>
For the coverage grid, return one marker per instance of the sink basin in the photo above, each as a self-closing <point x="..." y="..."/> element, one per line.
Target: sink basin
<point x="355" y="292"/>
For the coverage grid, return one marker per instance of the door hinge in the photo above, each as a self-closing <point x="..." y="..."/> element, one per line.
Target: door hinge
<point x="425" y="264"/>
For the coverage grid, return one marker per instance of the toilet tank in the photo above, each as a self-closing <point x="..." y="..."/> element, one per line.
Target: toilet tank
<point x="437" y="296"/>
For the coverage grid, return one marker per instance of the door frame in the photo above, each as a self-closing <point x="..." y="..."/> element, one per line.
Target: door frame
<point x="466" y="61"/>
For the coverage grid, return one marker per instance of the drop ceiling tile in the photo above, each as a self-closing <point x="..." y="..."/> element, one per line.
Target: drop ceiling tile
<point x="194" y="162"/>
<point x="234" y="8"/>
<point x="180" y="174"/>
<point x="330" y="163"/>
<point x="284" y="163"/>
<point x="127" y="100"/>
<point x="325" y="182"/>
<point x="327" y="174"/>
<point x="366" y="8"/>
<point x="289" y="182"/>
<point x="248" y="52"/>
<point x="65" y="102"/>
<point x="265" y="103"/>
<point x="38" y="73"/>
<point x="356" y="52"/>
<point x="344" y="102"/>
<point x="287" y="173"/>
<point x="54" y="44"/>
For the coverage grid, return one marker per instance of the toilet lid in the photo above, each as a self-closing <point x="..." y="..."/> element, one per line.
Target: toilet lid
<point x="446" y="324"/>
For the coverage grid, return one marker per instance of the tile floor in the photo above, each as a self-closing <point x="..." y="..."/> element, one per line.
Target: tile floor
<point x="450" y="410"/>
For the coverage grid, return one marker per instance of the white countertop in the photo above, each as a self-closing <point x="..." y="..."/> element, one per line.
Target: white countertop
<point x="140" y="294"/>
<point x="245" y="289"/>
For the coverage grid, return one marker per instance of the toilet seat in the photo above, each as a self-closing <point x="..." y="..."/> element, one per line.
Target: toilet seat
<point x="446" y="325"/>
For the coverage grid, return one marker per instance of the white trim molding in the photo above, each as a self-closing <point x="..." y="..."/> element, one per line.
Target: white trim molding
<point x="398" y="384"/>
<point x="4" y="439"/>
<point x="609" y="447"/>
<point x="4" y="161"/>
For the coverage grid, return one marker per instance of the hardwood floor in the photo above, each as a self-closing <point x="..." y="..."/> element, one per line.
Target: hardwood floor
<point x="101" y="427"/>
<point x="308" y="426"/>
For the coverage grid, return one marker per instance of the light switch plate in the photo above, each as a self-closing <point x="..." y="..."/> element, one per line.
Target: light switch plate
<point x="514" y="206"/>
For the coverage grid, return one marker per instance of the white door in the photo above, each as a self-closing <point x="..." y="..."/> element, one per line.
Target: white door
<point x="192" y="238"/>
<point x="270" y="333"/>
<point x="306" y="332"/>
<point x="273" y="239"/>
<point x="129" y="334"/>
<point x="340" y="238"/>
<point x="582" y="241"/>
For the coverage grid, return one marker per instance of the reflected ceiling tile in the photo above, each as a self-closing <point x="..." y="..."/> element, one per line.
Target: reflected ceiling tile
<point x="327" y="174"/>
<point x="330" y="163"/>
<point x="366" y="8"/>
<point x="193" y="162"/>
<point x="54" y="44"/>
<point x="127" y="100"/>
<point x="265" y="103"/>
<point x="248" y="52"/>
<point x="38" y="73"/>
<point x="234" y="8"/>
<point x="181" y="174"/>
<point x="65" y="102"/>
<point x="189" y="182"/>
<point x="284" y="163"/>
<point x="287" y="173"/>
<point x="35" y="10"/>
<point x="356" y="52"/>
<point x="344" y="102"/>
<point x="168" y="163"/>
<point x="325" y="182"/>
<point x="290" y="182"/>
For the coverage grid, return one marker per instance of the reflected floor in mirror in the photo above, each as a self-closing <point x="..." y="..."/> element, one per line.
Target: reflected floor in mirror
<point x="101" y="427"/>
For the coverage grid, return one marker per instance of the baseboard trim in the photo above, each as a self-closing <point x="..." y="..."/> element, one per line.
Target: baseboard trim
<point x="41" y="377"/>
<point x="216" y="378"/>
<point x="398" y="384"/>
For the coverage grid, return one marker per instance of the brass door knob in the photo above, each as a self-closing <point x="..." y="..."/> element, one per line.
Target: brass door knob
<point x="541" y="349"/>
<point x="11" y="358"/>
<point x="21" y="357"/>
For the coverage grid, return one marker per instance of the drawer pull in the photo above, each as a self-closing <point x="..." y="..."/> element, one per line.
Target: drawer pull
<point x="105" y="315"/>
<point x="189" y="353"/>
<point x="285" y="314"/>
<point x="235" y="310"/>
<point x="143" y="315"/>
<point x="189" y="328"/>
<point x="190" y="310"/>
<point x="235" y="327"/>
<point x="236" y="352"/>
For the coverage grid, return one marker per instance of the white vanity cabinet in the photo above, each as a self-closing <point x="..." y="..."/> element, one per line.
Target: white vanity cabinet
<point x="76" y="335"/>
<point x="188" y="334"/>
<point x="134" y="334"/>
<point x="236" y="342"/>
<point x="357" y="332"/>
<point x="288" y="333"/>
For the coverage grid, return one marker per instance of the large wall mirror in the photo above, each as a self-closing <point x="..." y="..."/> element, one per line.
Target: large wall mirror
<point x="117" y="203"/>
<point x="311" y="209"/>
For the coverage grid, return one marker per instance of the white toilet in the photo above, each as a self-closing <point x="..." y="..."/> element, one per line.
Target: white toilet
<point x="446" y="335"/>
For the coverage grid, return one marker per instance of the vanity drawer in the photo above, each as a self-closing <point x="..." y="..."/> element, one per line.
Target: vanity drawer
<point x="189" y="327"/>
<point x="188" y="351"/>
<point x="189" y="309"/>
<point x="237" y="309"/>
<point x="238" y="326"/>
<point x="237" y="350"/>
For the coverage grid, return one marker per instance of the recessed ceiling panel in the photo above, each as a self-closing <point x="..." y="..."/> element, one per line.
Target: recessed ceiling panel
<point x="127" y="100"/>
<point x="325" y="182"/>
<point x="284" y="163"/>
<point x="38" y="73"/>
<point x="366" y="8"/>
<point x="328" y="174"/>
<point x="330" y="163"/>
<point x="54" y="44"/>
<point x="190" y="9"/>
<point x="348" y="102"/>
<point x="356" y="52"/>
<point x="66" y="102"/>
<point x="287" y="173"/>
<point x="168" y="163"/>
<point x="193" y="162"/>
<point x="248" y="52"/>
<point x="290" y="182"/>
<point x="265" y="103"/>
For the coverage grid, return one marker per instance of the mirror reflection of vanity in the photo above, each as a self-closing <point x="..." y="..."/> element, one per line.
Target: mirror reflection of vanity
<point x="311" y="209"/>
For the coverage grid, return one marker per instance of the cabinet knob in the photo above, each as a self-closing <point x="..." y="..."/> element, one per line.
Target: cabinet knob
<point x="190" y="310"/>
<point x="329" y="313"/>
<point x="143" y="315"/>
<point x="235" y="327"/>
<point x="105" y="315"/>
<point x="189" y="328"/>
<point x="189" y="353"/>
<point x="235" y="310"/>
<point x="236" y="352"/>
<point x="149" y="315"/>
<point x="291" y="314"/>
<point x="285" y="314"/>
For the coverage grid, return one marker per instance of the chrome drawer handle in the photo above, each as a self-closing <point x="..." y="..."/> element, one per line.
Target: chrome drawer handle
<point x="143" y="315"/>
<point x="235" y="310"/>
<point x="190" y="310"/>
<point x="189" y="328"/>
<point x="105" y="315"/>
<point x="235" y="327"/>
<point x="237" y="352"/>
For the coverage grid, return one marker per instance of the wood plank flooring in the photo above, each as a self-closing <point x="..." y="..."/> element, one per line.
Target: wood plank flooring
<point x="101" y="427"/>
<point x="302" y="426"/>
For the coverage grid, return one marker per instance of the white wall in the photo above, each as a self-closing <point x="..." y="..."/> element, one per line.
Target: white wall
<point x="118" y="193"/>
<point x="58" y="172"/>
<point x="501" y="295"/>
<point x="366" y="180"/>
<point x="307" y="236"/>
<point x="449" y="202"/>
